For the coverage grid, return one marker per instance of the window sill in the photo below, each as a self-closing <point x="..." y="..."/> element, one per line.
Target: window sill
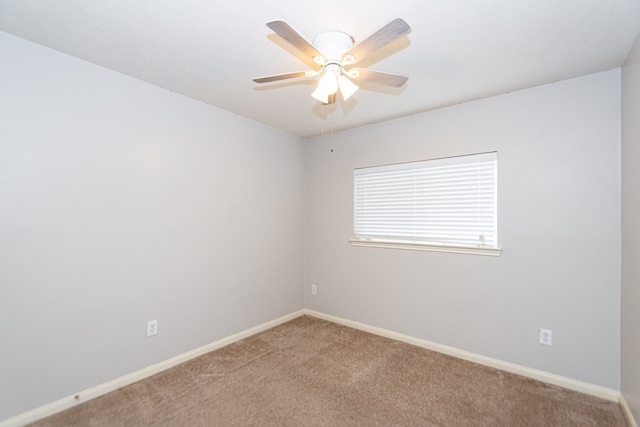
<point x="427" y="247"/>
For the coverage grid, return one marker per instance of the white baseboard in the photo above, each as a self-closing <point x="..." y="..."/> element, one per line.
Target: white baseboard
<point x="101" y="389"/>
<point x="571" y="384"/>
<point x="627" y="412"/>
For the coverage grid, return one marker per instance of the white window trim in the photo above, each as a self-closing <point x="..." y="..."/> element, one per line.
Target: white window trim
<point x="391" y="244"/>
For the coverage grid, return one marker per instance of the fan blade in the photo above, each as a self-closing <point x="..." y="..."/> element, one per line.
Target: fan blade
<point x="379" y="77"/>
<point x="385" y="35"/>
<point x="285" y="31"/>
<point x="277" y="77"/>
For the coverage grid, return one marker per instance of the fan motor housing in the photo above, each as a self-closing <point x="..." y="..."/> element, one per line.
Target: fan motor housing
<point x="333" y="44"/>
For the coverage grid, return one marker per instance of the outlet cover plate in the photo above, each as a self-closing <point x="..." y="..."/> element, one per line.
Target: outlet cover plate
<point x="152" y="327"/>
<point x="545" y="336"/>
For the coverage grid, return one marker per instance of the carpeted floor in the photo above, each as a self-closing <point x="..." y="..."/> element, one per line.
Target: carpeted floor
<point x="309" y="372"/>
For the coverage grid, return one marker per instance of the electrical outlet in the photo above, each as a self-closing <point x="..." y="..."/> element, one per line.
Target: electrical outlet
<point x="314" y="289"/>
<point x="152" y="327"/>
<point x="545" y="336"/>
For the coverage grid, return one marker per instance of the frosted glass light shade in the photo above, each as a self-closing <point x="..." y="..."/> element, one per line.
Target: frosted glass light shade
<point x="321" y="95"/>
<point x="329" y="83"/>
<point x="347" y="87"/>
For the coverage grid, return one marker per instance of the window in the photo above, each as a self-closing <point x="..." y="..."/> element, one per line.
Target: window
<point x="445" y="204"/>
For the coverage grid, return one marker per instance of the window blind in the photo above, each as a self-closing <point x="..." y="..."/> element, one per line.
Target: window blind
<point x="451" y="201"/>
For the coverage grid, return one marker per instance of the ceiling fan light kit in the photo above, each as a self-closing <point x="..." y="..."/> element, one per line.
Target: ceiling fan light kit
<point x="334" y="51"/>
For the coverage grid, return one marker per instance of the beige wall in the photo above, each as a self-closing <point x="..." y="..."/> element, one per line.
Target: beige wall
<point x="120" y="203"/>
<point x="631" y="230"/>
<point x="558" y="224"/>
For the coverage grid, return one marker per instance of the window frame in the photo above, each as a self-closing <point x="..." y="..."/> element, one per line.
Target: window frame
<point x="423" y="245"/>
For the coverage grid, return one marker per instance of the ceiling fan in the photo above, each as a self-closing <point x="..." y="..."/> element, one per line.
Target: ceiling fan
<point x="335" y="53"/>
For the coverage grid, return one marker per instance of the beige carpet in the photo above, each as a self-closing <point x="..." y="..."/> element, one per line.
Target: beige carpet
<point x="309" y="372"/>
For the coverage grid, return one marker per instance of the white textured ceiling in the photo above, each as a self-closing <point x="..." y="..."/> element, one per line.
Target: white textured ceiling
<point x="459" y="50"/>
